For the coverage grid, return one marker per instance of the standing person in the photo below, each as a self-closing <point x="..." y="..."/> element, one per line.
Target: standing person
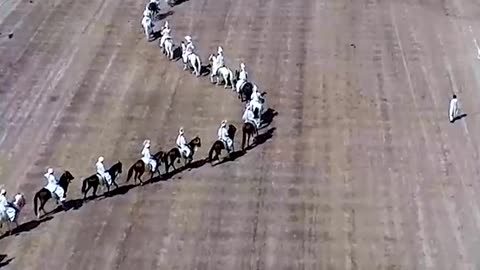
<point x="454" y="109"/>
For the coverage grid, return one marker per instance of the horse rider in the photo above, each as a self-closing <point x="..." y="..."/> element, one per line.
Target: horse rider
<point x="219" y="60"/>
<point x="223" y="136"/>
<point x="182" y="143"/>
<point x="102" y="172"/>
<point x="3" y="203"/>
<point x="52" y="185"/>
<point x="249" y="117"/>
<point x="189" y="48"/>
<point x="147" y="25"/>
<point x="242" y="77"/>
<point x="165" y="34"/>
<point x="147" y="157"/>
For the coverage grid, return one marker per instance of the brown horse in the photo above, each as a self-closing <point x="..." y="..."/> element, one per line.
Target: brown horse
<point x="219" y="145"/>
<point x="139" y="168"/>
<point x="174" y="154"/>
<point x="249" y="130"/>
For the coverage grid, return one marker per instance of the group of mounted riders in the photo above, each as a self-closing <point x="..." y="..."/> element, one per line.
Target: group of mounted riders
<point x="247" y="91"/>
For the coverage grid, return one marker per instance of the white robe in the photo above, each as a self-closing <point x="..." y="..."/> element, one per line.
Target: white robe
<point x="453" y="110"/>
<point x="147" y="158"/>
<point x="182" y="145"/>
<point x="223" y="136"/>
<point x="242" y="78"/>
<point x="103" y="173"/>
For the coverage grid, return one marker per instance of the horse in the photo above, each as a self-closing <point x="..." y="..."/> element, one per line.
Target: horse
<point x="174" y="154"/>
<point x="224" y="72"/>
<point x="44" y="194"/>
<point x="192" y="59"/>
<point x="246" y="90"/>
<point x="96" y="180"/>
<point x="249" y="130"/>
<point x="154" y="9"/>
<point x="12" y="211"/>
<point x="168" y="48"/>
<point x="139" y="168"/>
<point x="219" y="145"/>
<point x="147" y="25"/>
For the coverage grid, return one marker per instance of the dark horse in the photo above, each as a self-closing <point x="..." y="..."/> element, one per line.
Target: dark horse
<point x="44" y="194"/>
<point x="219" y="145"/>
<point x="153" y="7"/>
<point x="139" y="168"/>
<point x="249" y="130"/>
<point x="94" y="180"/>
<point x="246" y="89"/>
<point x="174" y="154"/>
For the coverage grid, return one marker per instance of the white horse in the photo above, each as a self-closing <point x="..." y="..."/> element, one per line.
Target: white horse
<point x="147" y="25"/>
<point x="168" y="48"/>
<point x="224" y="72"/>
<point x="12" y="212"/>
<point x="191" y="59"/>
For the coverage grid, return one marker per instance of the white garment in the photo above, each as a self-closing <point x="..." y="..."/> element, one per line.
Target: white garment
<point x="103" y="173"/>
<point x="189" y="49"/>
<point x="165" y="36"/>
<point x="242" y="78"/>
<point x="248" y="116"/>
<point x="3" y="206"/>
<point x="219" y="62"/>
<point x="51" y="182"/>
<point x="223" y="136"/>
<point x="454" y="109"/>
<point x="147" y="158"/>
<point x="182" y="145"/>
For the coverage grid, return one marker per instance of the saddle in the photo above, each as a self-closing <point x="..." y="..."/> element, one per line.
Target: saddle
<point x="253" y="124"/>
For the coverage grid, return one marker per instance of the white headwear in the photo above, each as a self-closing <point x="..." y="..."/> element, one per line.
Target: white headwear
<point x="166" y="24"/>
<point x="181" y="131"/>
<point x="101" y="159"/>
<point x="49" y="171"/>
<point x="188" y="38"/>
<point x="3" y="192"/>
<point x="242" y="66"/>
<point x="146" y="143"/>
<point x="224" y="123"/>
<point x="220" y="49"/>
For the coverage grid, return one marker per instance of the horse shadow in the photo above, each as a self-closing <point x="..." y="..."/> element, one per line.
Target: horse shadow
<point x="121" y="190"/>
<point x="459" y="117"/>
<point x="267" y="117"/>
<point x="4" y="261"/>
<point x="166" y="176"/>
<point x="27" y="226"/>
<point x="179" y="2"/>
<point x="165" y="15"/>
<point x="261" y="138"/>
<point x="205" y="70"/>
<point x="177" y="53"/>
<point x="233" y="156"/>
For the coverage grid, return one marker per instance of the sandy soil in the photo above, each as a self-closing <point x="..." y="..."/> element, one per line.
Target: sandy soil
<point x="363" y="170"/>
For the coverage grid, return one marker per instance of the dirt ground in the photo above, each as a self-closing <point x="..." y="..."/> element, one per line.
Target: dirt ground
<point x="363" y="169"/>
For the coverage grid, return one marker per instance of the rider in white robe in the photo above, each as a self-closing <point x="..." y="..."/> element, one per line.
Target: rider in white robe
<point x="102" y="172"/>
<point x="219" y="62"/>
<point x="3" y="204"/>
<point x="248" y="116"/>
<point x="182" y="143"/>
<point x="53" y="187"/>
<point x="165" y="34"/>
<point x="243" y="77"/>
<point x="454" y="109"/>
<point x="14" y="208"/>
<point x="189" y="48"/>
<point x="223" y="136"/>
<point x="147" y="157"/>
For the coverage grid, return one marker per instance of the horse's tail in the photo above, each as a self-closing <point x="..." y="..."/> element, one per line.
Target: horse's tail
<point x="130" y="172"/>
<point x="35" y="203"/>
<point x="244" y="136"/>
<point x="210" y="153"/>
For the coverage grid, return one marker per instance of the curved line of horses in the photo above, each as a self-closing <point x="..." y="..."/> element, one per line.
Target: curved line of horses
<point x="168" y="159"/>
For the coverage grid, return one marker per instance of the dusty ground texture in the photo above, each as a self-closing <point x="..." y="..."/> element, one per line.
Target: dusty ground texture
<point x="363" y="171"/>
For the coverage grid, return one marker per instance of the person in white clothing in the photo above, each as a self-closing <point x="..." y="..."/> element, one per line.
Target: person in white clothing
<point x="223" y="136"/>
<point x="53" y="187"/>
<point x="249" y="116"/>
<point x="189" y="48"/>
<point x="102" y="172"/>
<point x="454" y="109"/>
<point x="4" y="204"/>
<point x="242" y="77"/>
<point x="147" y="157"/>
<point x="219" y="60"/>
<point x="182" y="143"/>
<point x="165" y="34"/>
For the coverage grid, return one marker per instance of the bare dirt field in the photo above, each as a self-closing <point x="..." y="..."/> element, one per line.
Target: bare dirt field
<point x="363" y="169"/>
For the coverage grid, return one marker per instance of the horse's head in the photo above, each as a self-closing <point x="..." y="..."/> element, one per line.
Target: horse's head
<point x="116" y="168"/>
<point x="195" y="143"/>
<point x="184" y="47"/>
<point x="231" y="131"/>
<point x="65" y="179"/>
<point x="236" y="74"/>
<point x="19" y="200"/>
<point x="159" y="155"/>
